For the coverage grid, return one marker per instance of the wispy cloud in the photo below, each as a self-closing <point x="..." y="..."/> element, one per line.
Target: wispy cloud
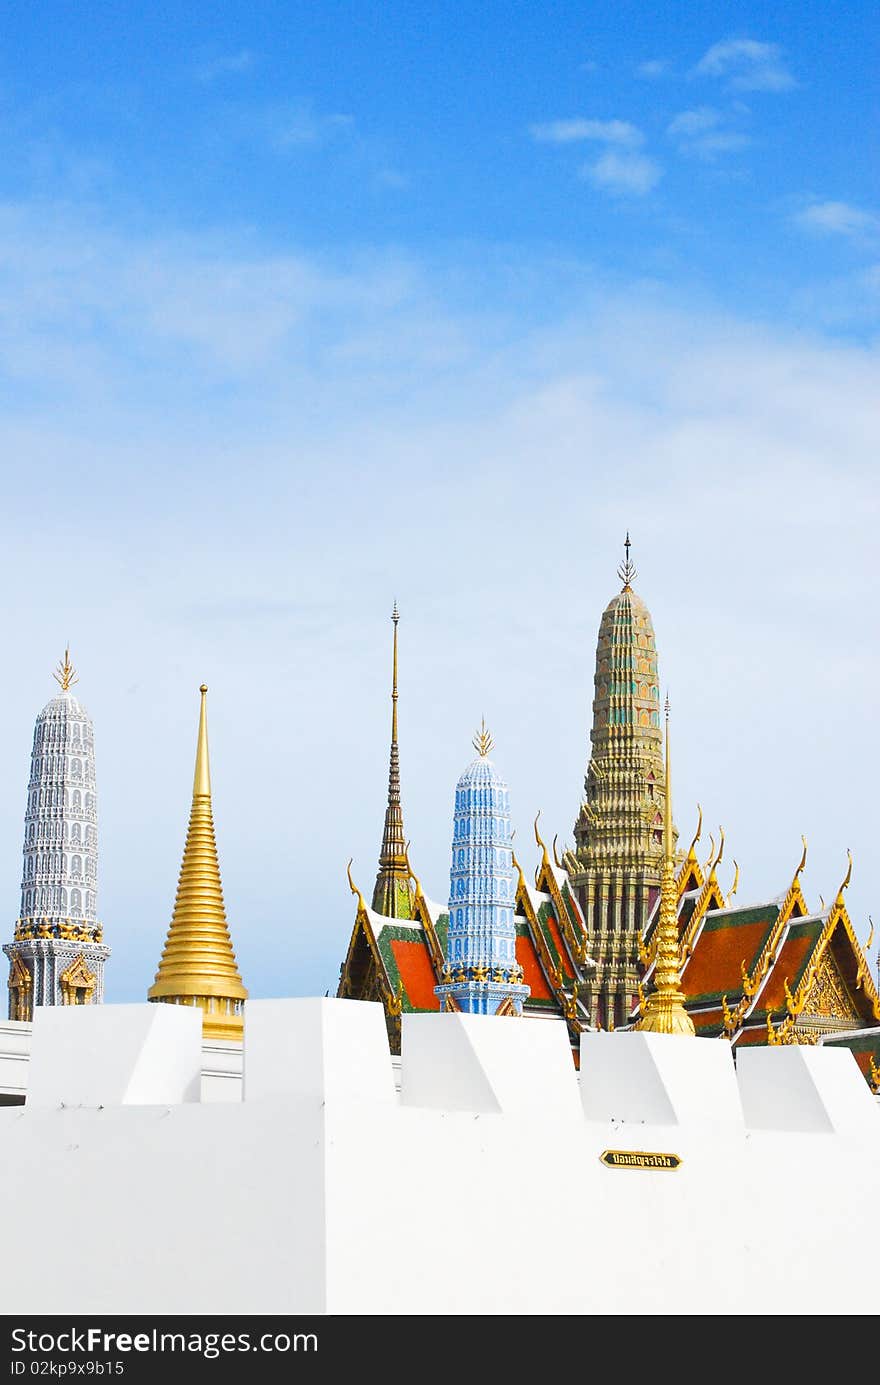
<point x="698" y="132"/>
<point x="229" y="64"/>
<point x="391" y="178"/>
<point x="655" y="67"/>
<point x="747" y="65"/>
<point x="839" y="219"/>
<point x="305" y="128"/>
<point x="631" y="174"/>
<point x="690" y="123"/>
<point x="619" y="132"/>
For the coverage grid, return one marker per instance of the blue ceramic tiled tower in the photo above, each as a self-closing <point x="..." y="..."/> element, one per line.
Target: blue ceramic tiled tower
<point x="482" y="975"/>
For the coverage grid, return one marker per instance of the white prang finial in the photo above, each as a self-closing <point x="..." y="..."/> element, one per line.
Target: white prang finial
<point x="482" y="741"/>
<point x="66" y="674"/>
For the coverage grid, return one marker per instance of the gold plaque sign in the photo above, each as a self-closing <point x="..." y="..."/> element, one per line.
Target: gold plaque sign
<point x="638" y="1159"/>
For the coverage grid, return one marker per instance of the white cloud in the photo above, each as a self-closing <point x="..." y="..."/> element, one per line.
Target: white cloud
<point x="619" y="132"/>
<point x="224" y="66"/>
<point x="633" y="174"/>
<point x="693" y="122"/>
<point x="655" y="67"/>
<point x="747" y="64"/>
<point x="697" y="133"/>
<point x="305" y="128"/>
<point x="391" y="178"/>
<point x="839" y="218"/>
<point x="719" y="142"/>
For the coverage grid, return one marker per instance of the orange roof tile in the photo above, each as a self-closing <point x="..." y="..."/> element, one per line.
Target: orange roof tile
<point x="416" y="973"/>
<point x="789" y="963"/>
<point x="750" y="1037"/>
<point x="715" y="965"/>
<point x="561" y="948"/>
<point x="532" y="973"/>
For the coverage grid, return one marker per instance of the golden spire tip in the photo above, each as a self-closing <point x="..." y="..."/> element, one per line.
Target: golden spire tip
<point x="65" y="675"/>
<point x="482" y="741"/>
<point x="202" y="776"/>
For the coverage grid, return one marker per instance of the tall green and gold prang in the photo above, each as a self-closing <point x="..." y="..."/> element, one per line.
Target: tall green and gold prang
<point x="616" y="864"/>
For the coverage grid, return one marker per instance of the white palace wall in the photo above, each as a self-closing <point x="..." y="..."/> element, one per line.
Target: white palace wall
<point x="477" y="1188"/>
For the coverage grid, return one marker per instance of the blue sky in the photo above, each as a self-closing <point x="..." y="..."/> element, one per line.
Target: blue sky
<point x="307" y="309"/>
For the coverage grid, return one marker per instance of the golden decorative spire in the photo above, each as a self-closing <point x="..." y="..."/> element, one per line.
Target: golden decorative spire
<point x="521" y="880"/>
<point x="482" y="741"/>
<point x="417" y="886"/>
<point x="392" y="892"/>
<point x="846" y="879"/>
<point x="65" y="673"/>
<point x="627" y="571"/>
<point x="545" y="859"/>
<point x="803" y="860"/>
<point x="691" y="857"/>
<point x="711" y="856"/>
<point x="664" y="1011"/>
<point x="353" y="887"/>
<point x="198" y="964"/>
<point x="735" y="886"/>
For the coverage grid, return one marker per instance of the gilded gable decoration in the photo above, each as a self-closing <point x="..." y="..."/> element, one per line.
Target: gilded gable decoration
<point x="77" y="983"/>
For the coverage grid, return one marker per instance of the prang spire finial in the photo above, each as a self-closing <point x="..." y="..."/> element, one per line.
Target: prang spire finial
<point x="627" y="570"/>
<point x="395" y="616"/>
<point x="482" y="741"/>
<point x="66" y="673"/>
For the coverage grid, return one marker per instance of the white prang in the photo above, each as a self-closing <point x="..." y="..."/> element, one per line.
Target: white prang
<point x="58" y="938"/>
<point x="60" y="869"/>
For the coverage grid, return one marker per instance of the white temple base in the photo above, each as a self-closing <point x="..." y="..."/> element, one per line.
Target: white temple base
<point x="322" y="1193"/>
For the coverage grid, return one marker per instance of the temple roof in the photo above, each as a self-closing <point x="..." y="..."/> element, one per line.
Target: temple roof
<point x="408" y="954"/>
<point x="727" y="939"/>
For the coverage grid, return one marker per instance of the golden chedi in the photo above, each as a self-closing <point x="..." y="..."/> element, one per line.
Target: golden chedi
<point x="198" y="965"/>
